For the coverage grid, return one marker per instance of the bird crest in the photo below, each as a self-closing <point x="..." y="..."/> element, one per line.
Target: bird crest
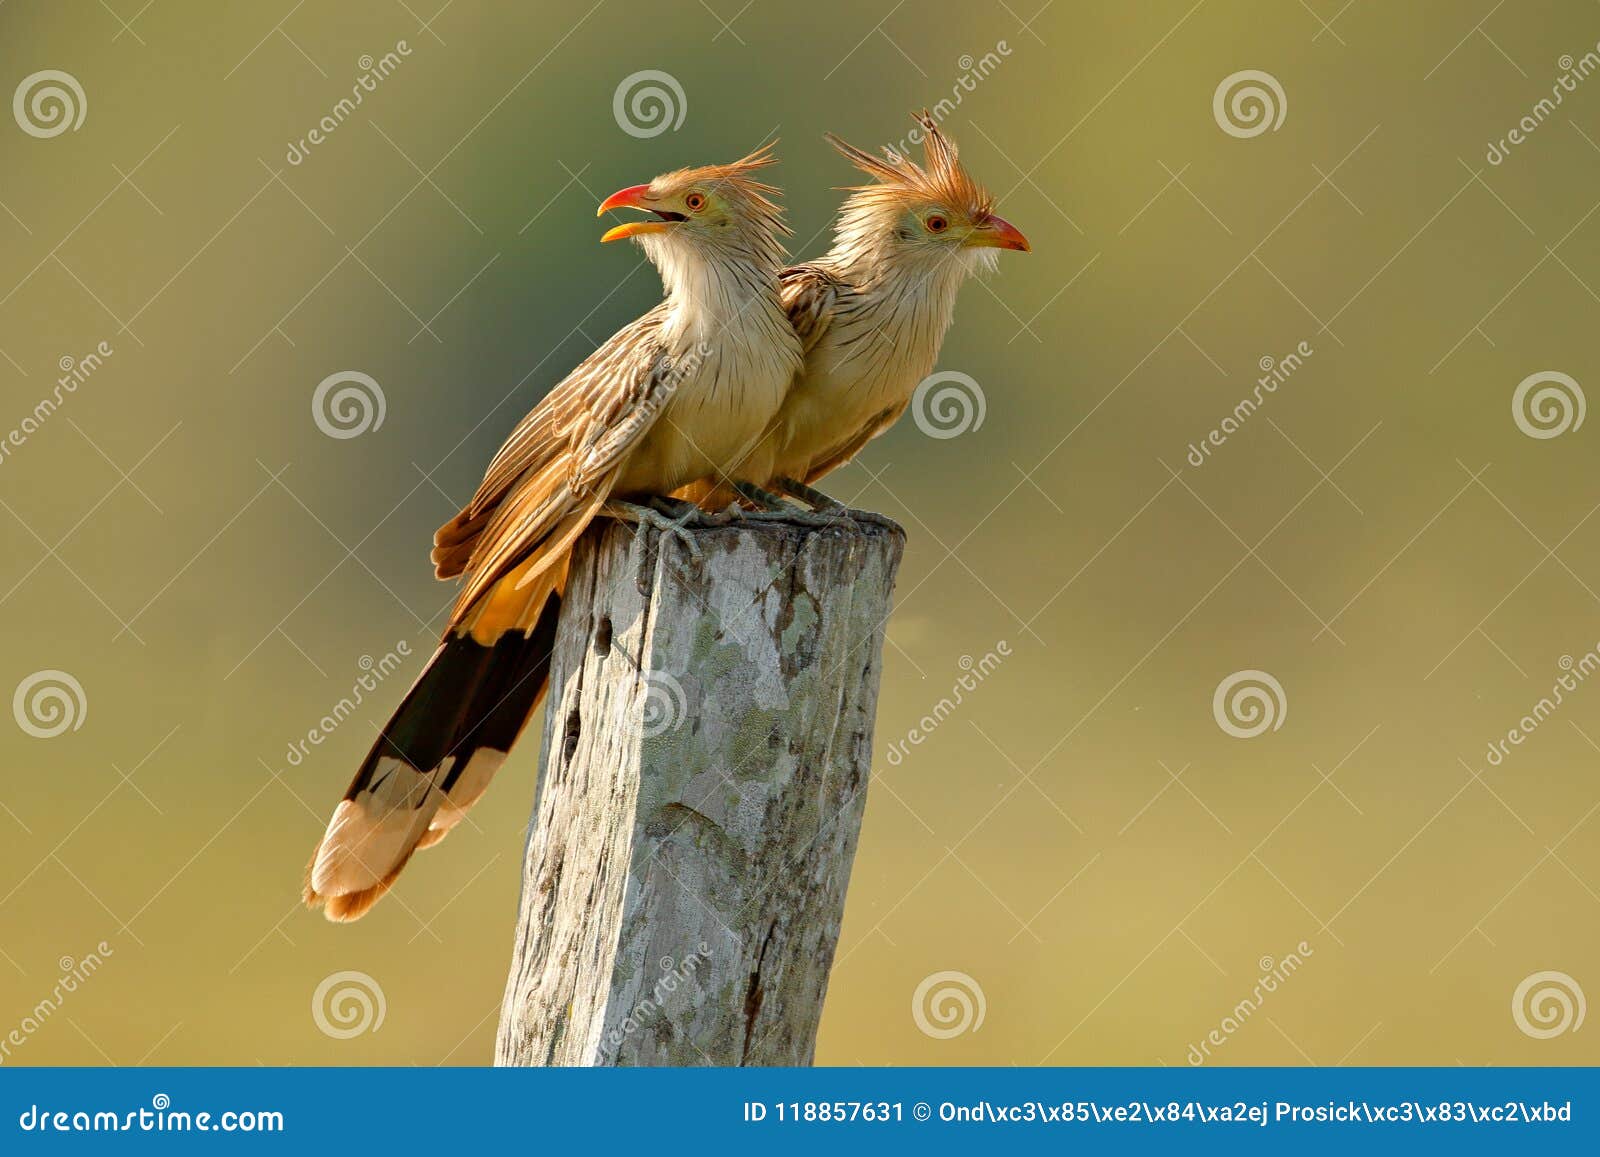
<point x="940" y="179"/>
<point x="737" y="177"/>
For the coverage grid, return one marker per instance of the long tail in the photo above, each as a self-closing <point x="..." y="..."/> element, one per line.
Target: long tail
<point x="438" y="753"/>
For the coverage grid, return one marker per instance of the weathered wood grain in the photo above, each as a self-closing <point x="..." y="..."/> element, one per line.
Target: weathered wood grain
<point x="704" y="769"/>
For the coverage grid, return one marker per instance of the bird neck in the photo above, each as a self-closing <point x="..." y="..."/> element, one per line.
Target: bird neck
<point x="910" y="291"/>
<point x="717" y="299"/>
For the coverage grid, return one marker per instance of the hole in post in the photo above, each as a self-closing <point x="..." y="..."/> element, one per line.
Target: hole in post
<point x="602" y="636"/>
<point x="569" y="736"/>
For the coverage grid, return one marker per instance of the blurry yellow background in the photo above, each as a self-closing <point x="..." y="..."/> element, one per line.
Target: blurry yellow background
<point x="1081" y="838"/>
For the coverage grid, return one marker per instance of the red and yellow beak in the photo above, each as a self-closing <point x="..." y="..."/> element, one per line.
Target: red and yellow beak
<point x="998" y="233"/>
<point x="633" y="197"/>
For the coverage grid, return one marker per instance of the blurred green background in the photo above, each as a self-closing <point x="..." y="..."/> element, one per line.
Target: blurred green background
<point x="1081" y="840"/>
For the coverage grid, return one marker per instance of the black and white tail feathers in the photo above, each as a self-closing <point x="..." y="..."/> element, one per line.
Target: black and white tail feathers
<point x="432" y="761"/>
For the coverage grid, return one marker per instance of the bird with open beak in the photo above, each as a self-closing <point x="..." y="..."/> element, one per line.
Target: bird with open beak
<point x="872" y="314"/>
<point x="682" y="393"/>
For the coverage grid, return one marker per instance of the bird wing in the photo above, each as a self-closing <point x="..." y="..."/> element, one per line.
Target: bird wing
<point x="811" y="297"/>
<point x="556" y="469"/>
<point x="458" y="722"/>
<point x="548" y="428"/>
<point x="809" y="294"/>
<point x="843" y="455"/>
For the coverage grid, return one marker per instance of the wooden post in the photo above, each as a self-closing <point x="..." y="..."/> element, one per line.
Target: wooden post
<point x="707" y="745"/>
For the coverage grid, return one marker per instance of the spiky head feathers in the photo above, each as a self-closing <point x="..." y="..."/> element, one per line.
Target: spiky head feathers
<point x="925" y="213"/>
<point x="940" y="180"/>
<point x="736" y="179"/>
<point x="726" y="205"/>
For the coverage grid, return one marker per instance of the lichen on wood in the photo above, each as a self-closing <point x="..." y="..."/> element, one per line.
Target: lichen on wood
<point x="706" y="752"/>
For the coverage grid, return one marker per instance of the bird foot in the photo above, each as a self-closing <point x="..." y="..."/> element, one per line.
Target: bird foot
<point x="771" y="507"/>
<point x="871" y="518"/>
<point x="831" y="508"/>
<point x="670" y="517"/>
<point x="817" y="499"/>
<point x="827" y="513"/>
<point x="764" y="501"/>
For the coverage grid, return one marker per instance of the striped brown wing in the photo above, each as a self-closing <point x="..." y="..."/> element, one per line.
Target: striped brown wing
<point x="556" y="468"/>
<point x="548" y="429"/>
<point x="809" y="294"/>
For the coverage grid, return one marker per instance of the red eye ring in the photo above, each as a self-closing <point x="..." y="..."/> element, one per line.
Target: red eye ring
<point x="937" y="223"/>
<point x="694" y="202"/>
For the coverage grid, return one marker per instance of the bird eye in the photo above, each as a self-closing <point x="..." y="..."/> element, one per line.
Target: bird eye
<point x="694" y="202"/>
<point x="937" y="224"/>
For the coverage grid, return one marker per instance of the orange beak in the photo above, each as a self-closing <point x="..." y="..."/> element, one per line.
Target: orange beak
<point x="633" y="197"/>
<point x="998" y="233"/>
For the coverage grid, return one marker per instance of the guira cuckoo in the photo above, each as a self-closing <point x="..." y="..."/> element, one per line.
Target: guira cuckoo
<point x="682" y="393"/>
<point x="872" y="314"/>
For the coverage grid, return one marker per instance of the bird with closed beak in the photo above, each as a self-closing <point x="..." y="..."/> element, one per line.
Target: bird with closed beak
<point x="684" y="392"/>
<point x="871" y="315"/>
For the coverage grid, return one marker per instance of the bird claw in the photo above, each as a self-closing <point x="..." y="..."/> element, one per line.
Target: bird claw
<point x="871" y="518"/>
<point x="817" y="499"/>
<point x="831" y="509"/>
<point x="797" y="516"/>
<point x="764" y="501"/>
<point x="673" y="517"/>
<point x="678" y="525"/>
<point x="826" y="513"/>
<point x="770" y="507"/>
